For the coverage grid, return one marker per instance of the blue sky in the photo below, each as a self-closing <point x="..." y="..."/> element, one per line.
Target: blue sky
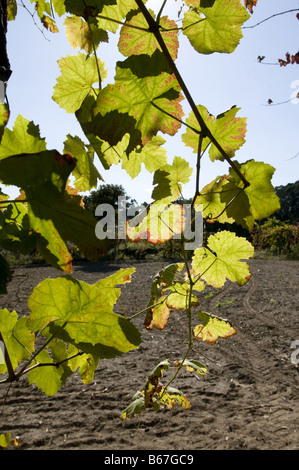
<point x="217" y="81"/>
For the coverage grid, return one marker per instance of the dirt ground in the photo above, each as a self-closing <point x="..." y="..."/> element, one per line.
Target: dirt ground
<point x="249" y="399"/>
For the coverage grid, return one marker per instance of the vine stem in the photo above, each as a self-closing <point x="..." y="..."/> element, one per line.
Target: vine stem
<point x="155" y="29"/>
<point x="269" y="18"/>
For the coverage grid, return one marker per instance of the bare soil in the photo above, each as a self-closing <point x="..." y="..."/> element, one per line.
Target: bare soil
<point x="248" y="399"/>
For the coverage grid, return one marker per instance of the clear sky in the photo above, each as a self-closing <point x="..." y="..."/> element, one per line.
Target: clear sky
<point x="217" y="81"/>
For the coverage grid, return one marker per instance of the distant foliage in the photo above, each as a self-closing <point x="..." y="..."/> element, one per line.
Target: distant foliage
<point x="276" y="236"/>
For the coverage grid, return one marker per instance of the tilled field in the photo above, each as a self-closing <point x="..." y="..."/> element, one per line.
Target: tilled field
<point x="249" y="399"/>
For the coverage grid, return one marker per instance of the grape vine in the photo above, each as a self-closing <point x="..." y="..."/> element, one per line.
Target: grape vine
<point x="123" y="123"/>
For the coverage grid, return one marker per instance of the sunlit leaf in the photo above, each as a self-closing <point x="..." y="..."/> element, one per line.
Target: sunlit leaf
<point x="171" y="397"/>
<point x="152" y="155"/>
<point x="80" y="35"/>
<point x="18" y="339"/>
<point x="168" y="179"/>
<point x="84" y="311"/>
<point x="161" y="223"/>
<point x="79" y="74"/>
<point x="12" y="9"/>
<point x="48" y="378"/>
<point x="225" y="200"/>
<point x="158" y="315"/>
<point x="214" y="26"/>
<point x="85" y="173"/>
<point x="52" y="212"/>
<point x="24" y="138"/>
<point x="221" y="260"/>
<point x="153" y="102"/>
<point x="116" y="11"/>
<point x="212" y="328"/>
<point x="228" y="130"/>
<point x="135" y="41"/>
<point x="5" y="439"/>
<point x="193" y="366"/>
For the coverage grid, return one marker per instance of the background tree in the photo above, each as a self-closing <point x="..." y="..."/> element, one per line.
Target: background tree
<point x="289" y="201"/>
<point x="106" y="194"/>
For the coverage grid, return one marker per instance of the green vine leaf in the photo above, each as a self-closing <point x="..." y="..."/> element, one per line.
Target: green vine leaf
<point x="221" y="260"/>
<point x="48" y="378"/>
<point x="135" y="408"/>
<point x="193" y="366"/>
<point x="214" y="26"/>
<point x="258" y="201"/>
<point x="117" y="11"/>
<point x="162" y="222"/>
<point x="84" y="311"/>
<point x="24" y="138"/>
<point x="85" y="173"/>
<point x="261" y="196"/>
<point x="141" y="41"/>
<point x="152" y="155"/>
<point x="16" y="234"/>
<point x="212" y="328"/>
<point x="226" y="128"/>
<point x="53" y="213"/>
<point x="78" y="75"/>
<point x="153" y="102"/>
<point x="5" y="439"/>
<point x="168" y="179"/>
<point x="18" y="339"/>
<point x="85" y="8"/>
<point x="79" y="34"/>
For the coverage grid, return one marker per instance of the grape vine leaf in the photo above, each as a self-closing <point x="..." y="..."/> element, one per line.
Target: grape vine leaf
<point x="84" y="311"/>
<point x="262" y="198"/>
<point x="153" y="102"/>
<point x="162" y="222"/>
<point x="179" y="297"/>
<point x="18" y="339"/>
<point x="212" y="328"/>
<point x="192" y="365"/>
<point x="50" y="378"/>
<point x="78" y="75"/>
<point x="85" y="172"/>
<point x="79" y="34"/>
<point x="12" y="9"/>
<point x="216" y="26"/>
<point x="5" y="439"/>
<point x="109" y="283"/>
<point x="59" y="7"/>
<point x="136" y="406"/>
<point x="16" y="234"/>
<point x="135" y="41"/>
<point x="226" y="128"/>
<point x="225" y="201"/>
<point x="221" y="260"/>
<point x="86" y="8"/>
<point x="116" y="11"/>
<point x="53" y="213"/>
<point x="152" y="155"/>
<point x="86" y="364"/>
<point x="168" y="179"/>
<point x="24" y="138"/>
